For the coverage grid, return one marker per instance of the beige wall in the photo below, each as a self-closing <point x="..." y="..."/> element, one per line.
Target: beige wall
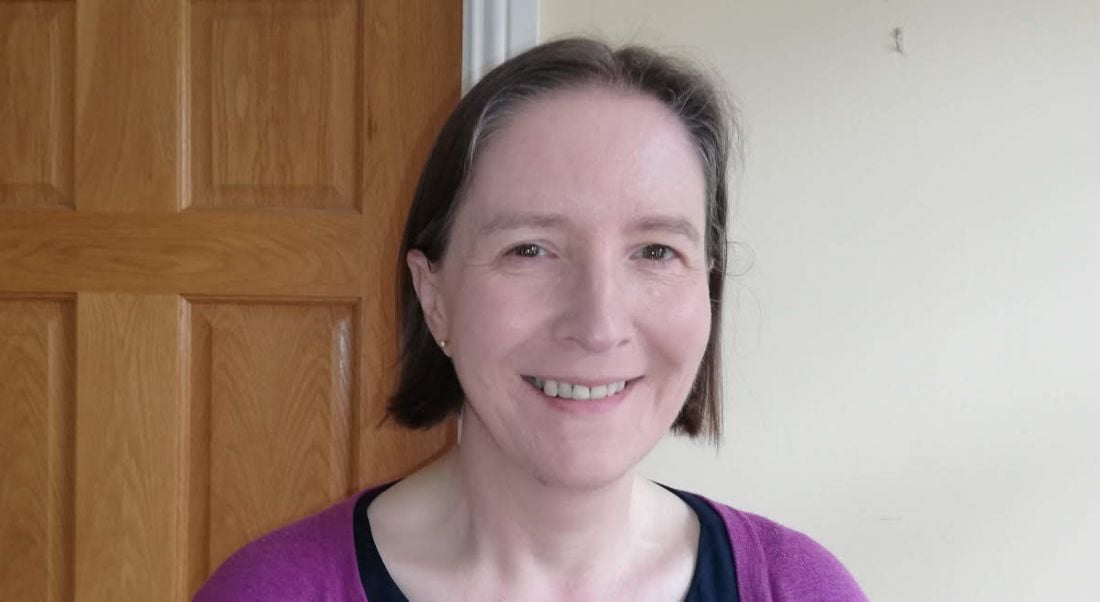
<point x="914" y="357"/>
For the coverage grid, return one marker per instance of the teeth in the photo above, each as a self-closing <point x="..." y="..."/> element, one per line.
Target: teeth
<point x="565" y="390"/>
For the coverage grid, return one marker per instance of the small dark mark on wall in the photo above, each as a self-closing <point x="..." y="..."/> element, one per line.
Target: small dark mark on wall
<point x="899" y="42"/>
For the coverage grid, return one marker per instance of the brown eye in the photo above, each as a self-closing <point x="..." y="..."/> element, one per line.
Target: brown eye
<point x="526" y="250"/>
<point x="657" y="252"/>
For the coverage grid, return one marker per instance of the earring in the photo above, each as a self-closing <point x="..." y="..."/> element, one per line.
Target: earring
<point x="443" y="344"/>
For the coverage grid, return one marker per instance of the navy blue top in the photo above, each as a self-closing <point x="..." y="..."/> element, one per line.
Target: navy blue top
<point x="714" y="579"/>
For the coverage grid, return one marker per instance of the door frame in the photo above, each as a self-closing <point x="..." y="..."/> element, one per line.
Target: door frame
<point x="494" y="31"/>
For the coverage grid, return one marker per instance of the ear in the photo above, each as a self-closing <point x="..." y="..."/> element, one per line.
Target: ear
<point x="427" y="282"/>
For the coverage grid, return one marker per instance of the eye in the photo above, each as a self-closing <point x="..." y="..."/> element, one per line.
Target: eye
<point x="655" y="252"/>
<point x="527" y="250"/>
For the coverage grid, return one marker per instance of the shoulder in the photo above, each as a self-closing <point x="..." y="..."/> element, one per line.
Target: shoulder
<point x="781" y="564"/>
<point x="312" y="559"/>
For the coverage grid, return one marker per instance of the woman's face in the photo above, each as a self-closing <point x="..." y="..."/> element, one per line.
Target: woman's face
<point x="576" y="268"/>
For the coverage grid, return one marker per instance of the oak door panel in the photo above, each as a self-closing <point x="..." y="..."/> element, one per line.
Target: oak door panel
<point x="280" y="377"/>
<point x="274" y="91"/>
<point x="36" y="109"/>
<point x="36" y="448"/>
<point x="197" y="341"/>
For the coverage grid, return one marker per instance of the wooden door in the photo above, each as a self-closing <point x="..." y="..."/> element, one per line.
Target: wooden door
<point x="200" y="209"/>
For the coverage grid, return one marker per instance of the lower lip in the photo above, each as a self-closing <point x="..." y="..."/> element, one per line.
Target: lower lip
<point x="587" y="406"/>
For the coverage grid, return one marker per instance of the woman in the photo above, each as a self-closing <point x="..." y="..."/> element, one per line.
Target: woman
<point x="565" y="261"/>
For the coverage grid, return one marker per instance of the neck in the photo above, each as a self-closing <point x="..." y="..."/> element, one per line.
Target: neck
<point x="522" y="525"/>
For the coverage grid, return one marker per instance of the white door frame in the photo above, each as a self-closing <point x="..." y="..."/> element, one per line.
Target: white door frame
<point x="492" y="32"/>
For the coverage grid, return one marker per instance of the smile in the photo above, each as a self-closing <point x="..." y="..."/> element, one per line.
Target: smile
<point x="565" y="390"/>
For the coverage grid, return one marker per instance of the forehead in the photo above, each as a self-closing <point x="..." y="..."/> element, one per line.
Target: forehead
<point x="592" y="153"/>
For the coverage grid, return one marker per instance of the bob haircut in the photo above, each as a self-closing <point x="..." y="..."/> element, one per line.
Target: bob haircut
<point x="428" y="390"/>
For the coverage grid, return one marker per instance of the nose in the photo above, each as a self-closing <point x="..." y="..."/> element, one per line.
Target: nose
<point x="595" y="308"/>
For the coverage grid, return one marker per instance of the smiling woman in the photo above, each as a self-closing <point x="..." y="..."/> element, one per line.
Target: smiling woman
<point x="565" y="257"/>
<point x="564" y="265"/>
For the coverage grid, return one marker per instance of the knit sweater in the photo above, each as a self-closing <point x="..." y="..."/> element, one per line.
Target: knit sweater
<point x="314" y="560"/>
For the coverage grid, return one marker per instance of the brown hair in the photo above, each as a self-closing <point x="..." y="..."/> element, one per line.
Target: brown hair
<point x="428" y="389"/>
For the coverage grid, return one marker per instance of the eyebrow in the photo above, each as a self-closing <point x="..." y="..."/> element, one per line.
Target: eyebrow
<point x="511" y="221"/>
<point x="673" y="225"/>
<point x="656" y="223"/>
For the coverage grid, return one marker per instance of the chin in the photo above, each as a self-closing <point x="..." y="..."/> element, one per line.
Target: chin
<point x="582" y="473"/>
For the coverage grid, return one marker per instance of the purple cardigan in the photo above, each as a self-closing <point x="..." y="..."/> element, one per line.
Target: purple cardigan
<point x="314" y="560"/>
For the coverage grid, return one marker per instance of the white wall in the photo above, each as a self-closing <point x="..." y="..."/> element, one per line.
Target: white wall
<point x="913" y="357"/>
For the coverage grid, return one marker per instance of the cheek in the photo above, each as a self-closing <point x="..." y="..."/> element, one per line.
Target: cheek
<point x="678" y="321"/>
<point x="491" y="315"/>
